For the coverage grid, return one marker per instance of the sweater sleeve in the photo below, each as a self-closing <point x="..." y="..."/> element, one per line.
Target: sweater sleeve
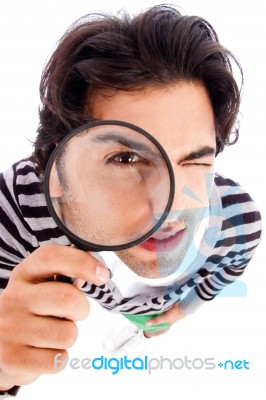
<point x="214" y="284"/>
<point x="241" y="234"/>
<point x="17" y="240"/>
<point x="25" y="222"/>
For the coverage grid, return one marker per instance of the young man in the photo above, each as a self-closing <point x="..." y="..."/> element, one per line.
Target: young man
<point x="169" y="75"/>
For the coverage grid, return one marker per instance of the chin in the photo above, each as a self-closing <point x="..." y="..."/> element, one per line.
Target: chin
<point x="149" y="264"/>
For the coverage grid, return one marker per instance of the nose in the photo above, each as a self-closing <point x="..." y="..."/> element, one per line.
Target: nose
<point x="175" y="215"/>
<point x="179" y="200"/>
<point x="175" y="218"/>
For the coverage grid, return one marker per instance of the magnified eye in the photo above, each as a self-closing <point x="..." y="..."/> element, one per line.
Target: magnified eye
<point x="126" y="158"/>
<point x="105" y="182"/>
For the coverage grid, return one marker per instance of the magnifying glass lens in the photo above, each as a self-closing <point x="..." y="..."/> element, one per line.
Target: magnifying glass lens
<point x="109" y="185"/>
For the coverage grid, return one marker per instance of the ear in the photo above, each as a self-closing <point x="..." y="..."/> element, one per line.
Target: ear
<point x="54" y="184"/>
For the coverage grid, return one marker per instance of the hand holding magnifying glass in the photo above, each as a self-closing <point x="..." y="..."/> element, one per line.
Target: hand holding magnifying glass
<point x="109" y="186"/>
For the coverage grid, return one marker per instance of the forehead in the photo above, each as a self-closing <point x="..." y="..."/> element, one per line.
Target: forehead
<point x="179" y="116"/>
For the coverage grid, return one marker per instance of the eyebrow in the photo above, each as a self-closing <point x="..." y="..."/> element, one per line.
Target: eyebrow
<point x="129" y="143"/>
<point x="204" y="151"/>
<point x="199" y="153"/>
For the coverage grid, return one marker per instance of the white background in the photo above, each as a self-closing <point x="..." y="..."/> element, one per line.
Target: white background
<point x="227" y="328"/>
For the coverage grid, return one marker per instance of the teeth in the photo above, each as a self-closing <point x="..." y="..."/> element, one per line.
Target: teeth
<point x="163" y="235"/>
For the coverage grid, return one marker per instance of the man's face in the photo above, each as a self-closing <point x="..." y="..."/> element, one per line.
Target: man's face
<point x="181" y="118"/>
<point x="108" y="203"/>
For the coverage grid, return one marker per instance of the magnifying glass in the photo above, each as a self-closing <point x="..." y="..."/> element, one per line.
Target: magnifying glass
<point x="109" y="185"/>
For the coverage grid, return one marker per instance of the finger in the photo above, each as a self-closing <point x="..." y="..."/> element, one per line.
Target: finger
<point x="79" y="283"/>
<point x="57" y="299"/>
<point x="47" y="332"/>
<point x="149" y="334"/>
<point x="170" y="316"/>
<point x="34" y="361"/>
<point x="158" y="321"/>
<point x="50" y="260"/>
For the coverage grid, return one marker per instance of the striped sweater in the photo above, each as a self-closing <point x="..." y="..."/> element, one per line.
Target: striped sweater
<point x="229" y="243"/>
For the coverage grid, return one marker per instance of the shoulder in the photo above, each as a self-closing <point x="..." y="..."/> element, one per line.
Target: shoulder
<point x="241" y="218"/>
<point x="20" y="182"/>
<point x="23" y="171"/>
<point x="234" y="198"/>
<point x="23" y="196"/>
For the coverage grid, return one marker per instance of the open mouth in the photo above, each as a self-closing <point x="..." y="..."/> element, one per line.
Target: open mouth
<point x="163" y="242"/>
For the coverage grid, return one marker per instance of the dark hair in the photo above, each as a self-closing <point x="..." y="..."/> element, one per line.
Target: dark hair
<point x="157" y="47"/>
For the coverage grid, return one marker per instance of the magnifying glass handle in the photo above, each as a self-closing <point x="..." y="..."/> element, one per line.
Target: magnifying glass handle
<point x="65" y="279"/>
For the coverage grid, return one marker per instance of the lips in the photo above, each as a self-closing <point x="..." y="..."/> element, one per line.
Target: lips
<point x="163" y="242"/>
<point x="162" y="235"/>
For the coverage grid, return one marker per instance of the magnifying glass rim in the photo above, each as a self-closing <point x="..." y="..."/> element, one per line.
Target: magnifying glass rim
<point x="76" y="240"/>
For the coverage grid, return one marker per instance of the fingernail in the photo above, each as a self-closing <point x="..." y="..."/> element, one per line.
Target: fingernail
<point x="102" y="274"/>
<point x="79" y="283"/>
<point x="149" y="323"/>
